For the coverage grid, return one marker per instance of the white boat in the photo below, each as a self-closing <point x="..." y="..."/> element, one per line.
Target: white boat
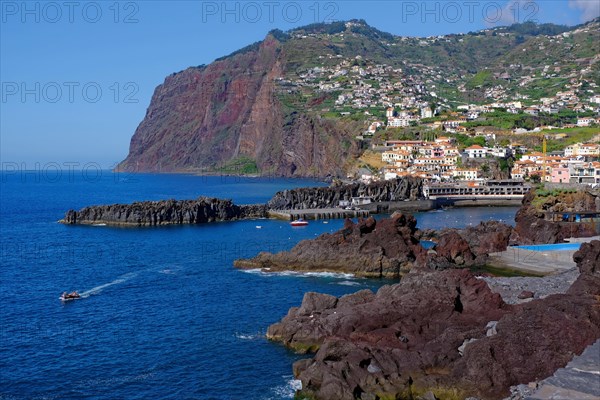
<point x="299" y="222"/>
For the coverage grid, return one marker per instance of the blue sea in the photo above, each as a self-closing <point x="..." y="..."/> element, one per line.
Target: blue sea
<point x="164" y="314"/>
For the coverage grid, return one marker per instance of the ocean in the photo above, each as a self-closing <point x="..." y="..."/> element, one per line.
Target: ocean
<point x="164" y="314"/>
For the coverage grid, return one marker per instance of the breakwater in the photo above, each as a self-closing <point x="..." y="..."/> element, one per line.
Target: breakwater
<point x="407" y="188"/>
<point x="166" y="212"/>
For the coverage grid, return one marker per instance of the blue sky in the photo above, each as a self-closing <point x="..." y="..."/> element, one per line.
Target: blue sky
<point x="78" y="76"/>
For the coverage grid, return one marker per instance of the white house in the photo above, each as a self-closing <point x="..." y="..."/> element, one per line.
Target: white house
<point x="501" y="152"/>
<point x="585" y="121"/>
<point x="476" y="151"/>
<point x="465" y="174"/>
<point x="398" y="122"/>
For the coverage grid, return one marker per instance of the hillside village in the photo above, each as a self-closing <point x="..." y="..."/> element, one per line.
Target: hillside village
<point x="400" y="109"/>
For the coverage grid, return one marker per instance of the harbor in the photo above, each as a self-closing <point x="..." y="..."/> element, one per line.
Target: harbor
<point x="318" y="213"/>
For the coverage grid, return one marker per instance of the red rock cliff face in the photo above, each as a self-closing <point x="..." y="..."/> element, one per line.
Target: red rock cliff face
<point x="201" y="118"/>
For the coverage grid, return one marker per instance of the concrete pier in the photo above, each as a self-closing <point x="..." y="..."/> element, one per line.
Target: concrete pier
<point x="318" y="213"/>
<point x="580" y="379"/>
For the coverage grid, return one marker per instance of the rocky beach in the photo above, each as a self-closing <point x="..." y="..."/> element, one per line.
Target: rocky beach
<point x="446" y="335"/>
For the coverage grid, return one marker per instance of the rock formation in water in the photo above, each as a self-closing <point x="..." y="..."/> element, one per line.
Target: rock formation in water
<point x="408" y="188"/>
<point x="444" y="332"/>
<point x="166" y="212"/>
<point x="386" y="248"/>
<point x="369" y="248"/>
<point x="534" y="227"/>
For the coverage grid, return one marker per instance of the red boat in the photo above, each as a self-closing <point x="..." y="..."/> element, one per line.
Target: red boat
<point x="69" y="296"/>
<point x="299" y="222"/>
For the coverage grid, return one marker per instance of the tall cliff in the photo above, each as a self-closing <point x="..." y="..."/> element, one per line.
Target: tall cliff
<point x="205" y="118"/>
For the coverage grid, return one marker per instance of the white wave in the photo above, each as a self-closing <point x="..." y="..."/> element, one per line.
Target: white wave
<point x="168" y="271"/>
<point x="299" y="274"/>
<point x="98" y="289"/>
<point x="244" y="336"/>
<point x="287" y="390"/>
<point x="98" y="224"/>
<point x="348" y="283"/>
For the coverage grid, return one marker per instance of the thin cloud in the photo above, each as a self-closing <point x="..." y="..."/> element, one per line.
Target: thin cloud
<point x="590" y="9"/>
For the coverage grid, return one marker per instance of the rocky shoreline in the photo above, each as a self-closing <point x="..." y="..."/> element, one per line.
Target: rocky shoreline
<point x="441" y="332"/>
<point x="388" y="248"/>
<point x="446" y="335"/>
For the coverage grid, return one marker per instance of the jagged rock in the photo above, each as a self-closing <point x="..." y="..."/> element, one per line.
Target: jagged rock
<point x="463" y="346"/>
<point x="526" y="294"/>
<point x="167" y="212"/>
<point x="326" y="197"/>
<point x="532" y="228"/>
<point x="469" y="247"/>
<point x="588" y="262"/>
<point x="316" y="302"/>
<point x="385" y="248"/>
<point x="588" y="258"/>
<point x="433" y="312"/>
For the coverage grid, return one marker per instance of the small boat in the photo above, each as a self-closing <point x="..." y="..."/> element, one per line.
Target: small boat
<point x="299" y="222"/>
<point x="69" y="296"/>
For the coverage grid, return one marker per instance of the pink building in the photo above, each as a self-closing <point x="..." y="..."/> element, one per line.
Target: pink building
<point x="560" y="174"/>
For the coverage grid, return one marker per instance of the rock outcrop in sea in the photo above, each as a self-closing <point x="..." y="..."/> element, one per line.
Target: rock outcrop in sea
<point x="386" y="248"/>
<point x="406" y="188"/>
<point x="369" y="248"/>
<point x="441" y="332"/>
<point x="165" y="212"/>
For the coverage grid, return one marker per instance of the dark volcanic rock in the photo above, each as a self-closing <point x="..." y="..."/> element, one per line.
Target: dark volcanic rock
<point x="533" y="228"/>
<point x="404" y="341"/>
<point x="469" y="247"/>
<point x="588" y="262"/>
<point x="367" y="248"/>
<point x="167" y="212"/>
<point x="588" y="258"/>
<point x="382" y="342"/>
<point x="392" y="190"/>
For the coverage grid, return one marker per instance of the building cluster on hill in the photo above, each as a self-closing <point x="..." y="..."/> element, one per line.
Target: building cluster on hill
<point x="361" y="84"/>
<point x="577" y="164"/>
<point x="441" y="160"/>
